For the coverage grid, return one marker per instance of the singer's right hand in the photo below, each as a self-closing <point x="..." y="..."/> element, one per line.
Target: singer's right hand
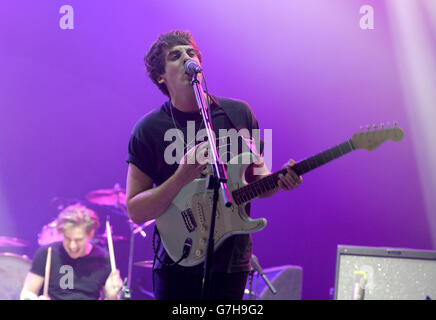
<point x="193" y="162"/>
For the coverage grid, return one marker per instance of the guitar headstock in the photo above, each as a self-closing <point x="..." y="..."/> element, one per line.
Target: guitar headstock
<point x="371" y="137"/>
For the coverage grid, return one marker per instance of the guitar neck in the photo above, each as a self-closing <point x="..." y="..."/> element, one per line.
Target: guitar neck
<point x="270" y="182"/>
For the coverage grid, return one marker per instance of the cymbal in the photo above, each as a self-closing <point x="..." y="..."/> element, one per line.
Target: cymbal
<point x="107" y="197"/>
<point x="49" y="234"/>
<point x="12" y="242"/>
<point x="139" y="229"/>
<point x="144" y="264"/>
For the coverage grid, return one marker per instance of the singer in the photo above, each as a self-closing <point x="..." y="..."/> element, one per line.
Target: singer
<point x="170" y="63"/>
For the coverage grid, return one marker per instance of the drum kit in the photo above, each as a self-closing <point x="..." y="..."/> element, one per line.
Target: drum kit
<point x="14" y="267"/>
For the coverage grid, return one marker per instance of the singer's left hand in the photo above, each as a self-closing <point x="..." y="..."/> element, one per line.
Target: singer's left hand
<point x="290" y="180"/>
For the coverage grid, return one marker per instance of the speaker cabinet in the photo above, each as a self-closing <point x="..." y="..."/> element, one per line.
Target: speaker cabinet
<point x="287" y="281"/>
<point x="373" y="273"/>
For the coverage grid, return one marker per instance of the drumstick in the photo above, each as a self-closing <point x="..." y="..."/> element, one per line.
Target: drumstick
<point x="110" y="246"/>
<point x="47" y="272"/>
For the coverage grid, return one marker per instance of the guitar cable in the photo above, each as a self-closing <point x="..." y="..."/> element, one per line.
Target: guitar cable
<point x="186" y="250"/>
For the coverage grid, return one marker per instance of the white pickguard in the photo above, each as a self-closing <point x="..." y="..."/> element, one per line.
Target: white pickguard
<point x="194" y="202"/>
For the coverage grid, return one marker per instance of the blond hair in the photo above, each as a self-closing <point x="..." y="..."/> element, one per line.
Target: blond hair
<point x="77" y="215"/>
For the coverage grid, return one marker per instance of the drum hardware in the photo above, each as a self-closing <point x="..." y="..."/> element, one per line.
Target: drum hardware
<point x="116" y="198"/>
<point x="49" y="234"/>
<point x="60" y="203"/>
<point x="148" y="293"/>
<point x="12" y="242"/>
<point x="134" y="229"/>
<point x="108" y="197"/>
<point x="144" y="264"/>
<point x="13" y="271"/>
<point x="102" y="238"/>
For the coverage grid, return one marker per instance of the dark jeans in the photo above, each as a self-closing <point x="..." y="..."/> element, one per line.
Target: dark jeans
<point x="177" y="285"/>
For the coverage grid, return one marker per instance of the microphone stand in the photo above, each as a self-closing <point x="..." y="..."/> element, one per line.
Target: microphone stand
<point x="250" y="286"/>
<point x="217" y="182"/>
<point x="256" y="266"/>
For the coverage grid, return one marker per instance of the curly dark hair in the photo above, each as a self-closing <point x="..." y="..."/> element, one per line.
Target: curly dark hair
<point x="155" y="57"/>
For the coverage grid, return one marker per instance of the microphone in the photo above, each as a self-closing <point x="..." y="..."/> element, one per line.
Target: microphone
<point x="192" y="68"/>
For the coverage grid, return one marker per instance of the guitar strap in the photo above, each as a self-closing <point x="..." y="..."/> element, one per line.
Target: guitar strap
<point x="233" y="116"/>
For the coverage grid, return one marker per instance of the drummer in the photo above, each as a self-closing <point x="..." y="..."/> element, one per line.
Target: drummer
<point x="79" y="269"/>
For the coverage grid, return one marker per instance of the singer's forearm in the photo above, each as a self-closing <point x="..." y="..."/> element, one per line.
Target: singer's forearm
<point x="150" y="204"/>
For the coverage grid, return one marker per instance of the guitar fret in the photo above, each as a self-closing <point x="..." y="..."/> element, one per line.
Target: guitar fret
<point x="340" y="149"/>
<point x="318" y="161"/>
<point x="256" y="187"/>
<point x="241" y="196"/>
<point x="270" y="182"/>
<point x="273" y="181"/>
<point x="314" y="163"/>
<point x="350" y="143"/>
<point x="343" y="149"/>
<point x="239" y="199"/>
<point x="331" y="154"/>
<point x="236" y="197"/>
<point x="262" y="187"/>
<point x="328" y="155"/>
<point x="252" y="193"/>
<point x="246" y="197"/>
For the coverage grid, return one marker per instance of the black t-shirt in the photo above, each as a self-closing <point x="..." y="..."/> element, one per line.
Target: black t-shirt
<point x="73" y="279"/>
<point x="147" y="147"/>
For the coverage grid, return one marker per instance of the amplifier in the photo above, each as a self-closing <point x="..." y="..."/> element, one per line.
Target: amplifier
<point x="374" y="273"/>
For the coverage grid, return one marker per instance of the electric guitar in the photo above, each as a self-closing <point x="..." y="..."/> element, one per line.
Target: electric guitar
<point x="184" y="226"/>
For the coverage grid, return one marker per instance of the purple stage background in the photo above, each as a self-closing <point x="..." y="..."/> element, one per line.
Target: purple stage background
<point x="69" y="99"/>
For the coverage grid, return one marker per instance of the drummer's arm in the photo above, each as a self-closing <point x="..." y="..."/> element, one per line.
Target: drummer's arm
<point x="112" y="287"/>
<point x="32" y="285"/>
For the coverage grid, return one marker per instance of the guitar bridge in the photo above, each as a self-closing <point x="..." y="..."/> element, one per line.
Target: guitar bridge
<point x="189" y="219"/>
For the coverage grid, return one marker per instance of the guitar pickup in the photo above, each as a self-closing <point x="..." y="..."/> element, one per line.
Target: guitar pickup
<point x="188" y="218"/>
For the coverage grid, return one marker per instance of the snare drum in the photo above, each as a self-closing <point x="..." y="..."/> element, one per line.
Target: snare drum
<point x="13" y="271"/>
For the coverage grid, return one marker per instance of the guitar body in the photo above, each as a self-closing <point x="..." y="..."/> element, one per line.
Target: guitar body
<point x="188" y="217"/>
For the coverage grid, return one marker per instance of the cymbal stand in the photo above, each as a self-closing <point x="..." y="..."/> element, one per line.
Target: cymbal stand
<point x="134" y="229"/>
